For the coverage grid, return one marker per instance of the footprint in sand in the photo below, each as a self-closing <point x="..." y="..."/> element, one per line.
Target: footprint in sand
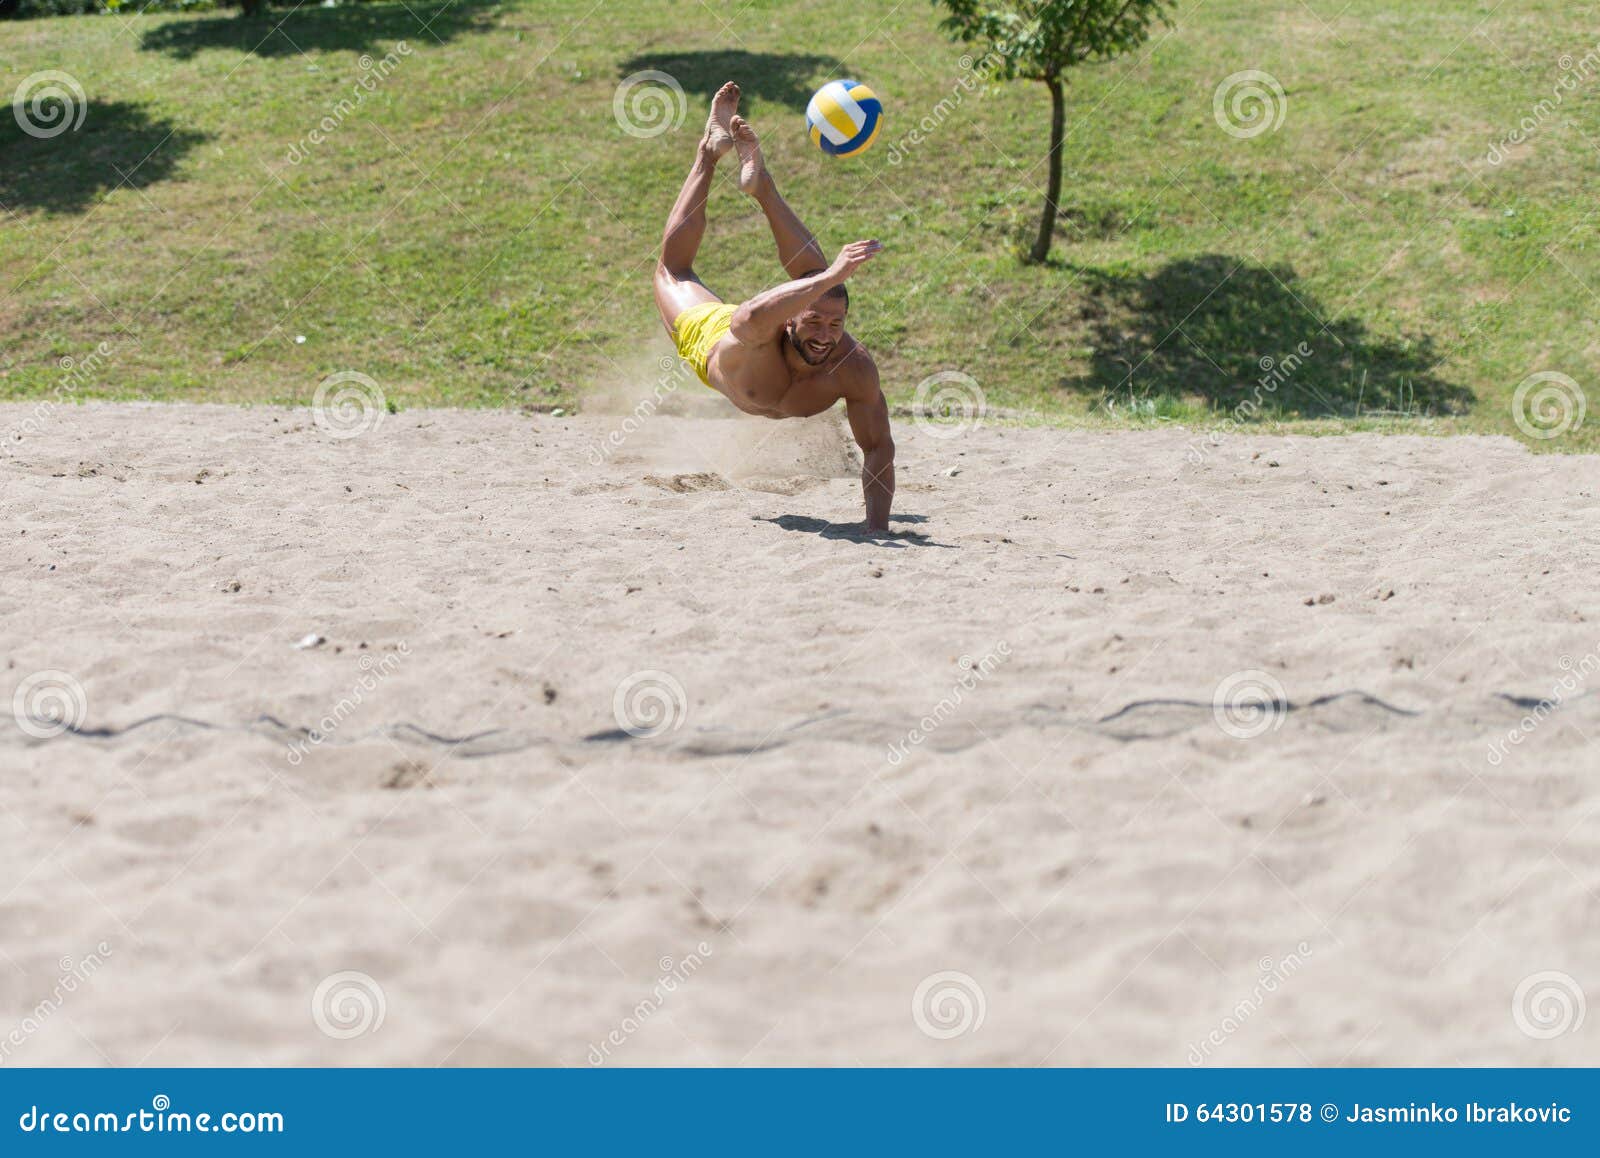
<point x="688" y="483"/>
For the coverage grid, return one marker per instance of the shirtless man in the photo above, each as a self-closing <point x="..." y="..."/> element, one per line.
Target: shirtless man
<point x="783" y="353"/>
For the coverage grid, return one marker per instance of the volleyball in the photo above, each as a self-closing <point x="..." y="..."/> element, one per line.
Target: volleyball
<point x="843" y="118"/>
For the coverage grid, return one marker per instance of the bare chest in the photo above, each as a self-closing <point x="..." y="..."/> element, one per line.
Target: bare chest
<point x="761" y="382"/>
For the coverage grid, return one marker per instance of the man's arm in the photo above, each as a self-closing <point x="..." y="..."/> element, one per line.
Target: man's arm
<point x="759" y="319"/>
<point x="868" y="412"/>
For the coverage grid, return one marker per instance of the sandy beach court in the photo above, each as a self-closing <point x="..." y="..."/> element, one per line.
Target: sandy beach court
<point x="481" y="737"/>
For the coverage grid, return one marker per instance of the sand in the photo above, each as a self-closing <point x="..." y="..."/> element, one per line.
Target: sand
<point x="963" y="796"/>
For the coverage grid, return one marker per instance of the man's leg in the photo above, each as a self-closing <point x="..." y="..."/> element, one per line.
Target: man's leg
<point x="676" y="284"/>
<point x="797" y="246"/>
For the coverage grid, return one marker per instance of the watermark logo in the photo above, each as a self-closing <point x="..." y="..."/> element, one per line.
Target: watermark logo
<point x="374" y="670"/>
<point x="71" y="975"/>
<point x="75" y="372"/>
<point x="649" y="103"/>
<point x="1548" y="1004"/>
<point x="948" y="404"/>
<point x="373" y="74"/>
<point x="49" y="103"/>
<point x="673" y="975"/>
<point x="649" y="703"/>
<point x="1573" y="675"/>
<point x="1574" y="73"/>
<point x="1248" y="704"/>
<point x="948" y="1004"/>
<point x="973" y="672"/>
<point x="1271" y="974"/>
<point x="974" y="73"/>
<point x="347" y="404"/>
<point x="1548" y="405"/>
<point x="348" y="1004"/>
<point x="674" y="372"/>
<point x="1274" y="373"/>
<point x="1250" y="103"/>
<point x="48" y="703"/>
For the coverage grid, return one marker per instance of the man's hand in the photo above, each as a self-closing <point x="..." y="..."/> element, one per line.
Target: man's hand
<point x="763" y="317"/>
<point x="852" y="257"/>
<point x="868" y="413"/>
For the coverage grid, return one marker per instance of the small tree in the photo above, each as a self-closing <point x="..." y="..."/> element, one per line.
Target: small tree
<point x="1040" y="40"/>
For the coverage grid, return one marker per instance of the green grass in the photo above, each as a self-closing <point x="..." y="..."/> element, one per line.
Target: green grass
<point x="480" y="230"/>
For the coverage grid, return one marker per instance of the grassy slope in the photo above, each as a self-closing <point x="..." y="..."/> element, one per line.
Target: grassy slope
<point x="481" y="230"/>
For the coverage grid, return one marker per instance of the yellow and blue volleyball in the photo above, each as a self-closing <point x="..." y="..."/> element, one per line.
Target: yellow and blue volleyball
<point x="843" y="118"/>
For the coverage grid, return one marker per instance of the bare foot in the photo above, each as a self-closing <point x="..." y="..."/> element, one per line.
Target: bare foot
<point x="719" y="131"/>
<point x="751" y="166"/>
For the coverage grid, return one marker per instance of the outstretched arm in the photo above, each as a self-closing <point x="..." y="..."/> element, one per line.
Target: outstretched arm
<point x="759" y="319"/>
<point x="868" y="413"/>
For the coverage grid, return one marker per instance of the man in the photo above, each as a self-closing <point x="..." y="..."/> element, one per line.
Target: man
<point x="783" y="353"/>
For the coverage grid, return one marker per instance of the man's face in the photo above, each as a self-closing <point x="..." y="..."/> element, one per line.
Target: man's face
<point x="815" y="334"/>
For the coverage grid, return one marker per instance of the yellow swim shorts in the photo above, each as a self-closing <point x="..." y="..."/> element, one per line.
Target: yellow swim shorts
<point x="698" y="330"/>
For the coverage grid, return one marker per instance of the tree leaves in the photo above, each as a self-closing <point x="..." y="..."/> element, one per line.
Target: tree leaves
<point x="1041" y="39"/>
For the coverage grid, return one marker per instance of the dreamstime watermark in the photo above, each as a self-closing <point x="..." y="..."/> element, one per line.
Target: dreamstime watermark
<point x="1547" y="405"/>
<point x="75" y="372"/>
<point x="160" y="1118"/>
<point x="348" y="1004"/>
<point x="948" y="1004"/>
<point x="49" y="703"/>
<point x="673" y="975"/>
<point x="649" y="103"/>
<point x="49" y="103"/>
<point x="946" y="395"/>
<point x="1574" y="673"/>
<point x="674" y="373"/>
<point x="72" y="974"/>
<point x="1574" y="72"/>
<point x="1274" y="373"/>
<point x="348" y="404"/>
<point x="1249" y="103"/>
<point x="1248" y="704"/>
<point x="373" y="74"/>
<point x="648" y="703"/>
<point x="1548" y="1004"/>
<point x="973" y="672"/>
<point x="1272" y="975"/>
<point x="374" y="670"/>
<point x="974" y="73"/>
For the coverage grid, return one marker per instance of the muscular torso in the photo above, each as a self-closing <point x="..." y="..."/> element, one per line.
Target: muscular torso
<point x="763" y="380"/>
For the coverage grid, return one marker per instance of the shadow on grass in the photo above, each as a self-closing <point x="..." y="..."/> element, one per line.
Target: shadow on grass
<point x="348" y="28"/>
<point x="856" y="532"/>
<point x="118" y="143"/>
<point x="788" y="78"/>
<point x="1236" y="333"/>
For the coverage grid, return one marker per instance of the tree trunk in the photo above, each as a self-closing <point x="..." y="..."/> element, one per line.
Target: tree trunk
<point x="1052" y="193"/>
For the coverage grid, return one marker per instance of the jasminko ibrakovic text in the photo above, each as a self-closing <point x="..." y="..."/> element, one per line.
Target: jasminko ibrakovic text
<point x="1409" y="1114"/>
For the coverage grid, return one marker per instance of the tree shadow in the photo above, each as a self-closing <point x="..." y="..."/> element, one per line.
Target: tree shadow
<point x="788" y="78"/>
<point x="116" y="144"/>
<point x="347" y="28"/>
<point x="1250" y="338"/>
<point x="856" y="532"/>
